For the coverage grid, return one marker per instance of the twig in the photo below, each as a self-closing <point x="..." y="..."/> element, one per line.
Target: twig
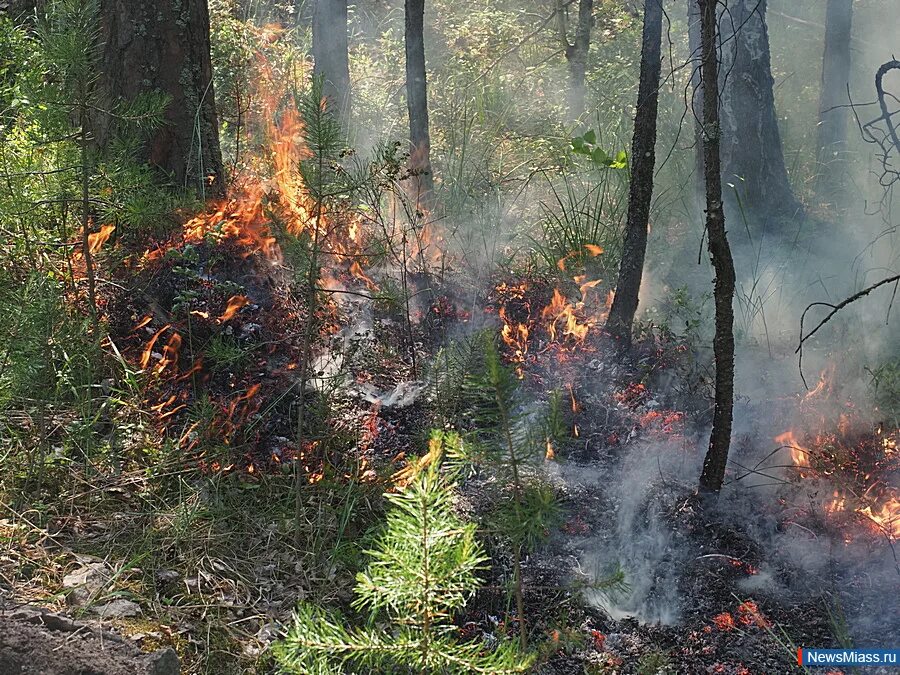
<point x="834" y="310"/>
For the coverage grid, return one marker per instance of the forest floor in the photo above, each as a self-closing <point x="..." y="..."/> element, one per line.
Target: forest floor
<point x="186" y="536"/>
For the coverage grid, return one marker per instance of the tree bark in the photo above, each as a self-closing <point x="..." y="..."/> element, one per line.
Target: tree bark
<point x="720" y="252"/>
<point x="21" y="10"/>
<point x="164" y="46"/>
<point x="417" y="101"/>
<point x="696" y="50"/>
<point x="577" y="52"/>
<point x="832" y="132"/>
<point x="643" y="158"/>
<point x="751" y="151"/>
<point x="331" y="56"/>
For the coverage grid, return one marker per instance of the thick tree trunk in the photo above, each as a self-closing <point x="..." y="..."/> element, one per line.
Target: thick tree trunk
<point x="417" y="101"/>
<point x="330" y="51"/>
<point x="832" y="136"/>
<point x="723" y="343"/>
<point x="164" y="46"/>
<point x="643" y="157"/>
<point x="751" y="152"/>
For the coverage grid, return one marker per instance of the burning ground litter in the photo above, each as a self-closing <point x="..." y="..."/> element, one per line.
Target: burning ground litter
<point x="277" y="360"/>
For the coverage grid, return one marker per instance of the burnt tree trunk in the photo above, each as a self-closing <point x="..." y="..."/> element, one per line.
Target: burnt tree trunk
<point x="832" y="132"/>
<point x="164" y="46"/>
<point x="751" y="151"/>
<point x="577" y="52"/>
<point x="720" y="252"/>
<point x="417" y="101"/>
<point x="643" y="157"/>
<point x="330" y="47"/>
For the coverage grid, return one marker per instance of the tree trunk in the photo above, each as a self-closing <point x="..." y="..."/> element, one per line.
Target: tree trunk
<point x="330" y="51"/>
<point x="751" y="152"/>
<point x="164" y="46"/>
<point x="625" y="303"/>
<point x="694" y="44"/>
<point x="21" y="10"/>
<point x="417" y="101"/>
<point x="720" y="252"/>
<point x="832" y="136"/>
<point x="577" y="53"/>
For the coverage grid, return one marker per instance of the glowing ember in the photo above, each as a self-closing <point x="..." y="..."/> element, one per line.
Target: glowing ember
<point x="724" y="621"/>
<point x="750" y="615"/>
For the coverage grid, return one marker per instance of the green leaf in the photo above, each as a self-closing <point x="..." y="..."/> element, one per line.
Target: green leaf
<point x="599" y="157"/>
<point x="620" y="161"/>
<point x="590" y="137"/>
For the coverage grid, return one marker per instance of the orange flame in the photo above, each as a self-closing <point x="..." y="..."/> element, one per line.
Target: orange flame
<point x="515" y="335"/>
<point x="886" y="518"/>
<point x="357" y="272"/>
<point x="148" y="350"/>
<point x="235" y="303"/>
<point x="98" y="239"/>
<point x="170" y="354"/>
<point x="799" y="454"/>
<point x="560" y="315"/>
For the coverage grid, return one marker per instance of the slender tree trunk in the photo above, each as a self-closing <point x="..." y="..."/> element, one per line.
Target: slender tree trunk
<point x="330" y="50"/>
<point x="696" y="102"/>
<point x="164" y="46"/>
<point x="751" y="151"/>
<point x="577" y="53"/>
<point x="720" y="252"/>
<point x="832" y="136"/>
<point x="643" y="157"/>
<point x="417" y="101"/>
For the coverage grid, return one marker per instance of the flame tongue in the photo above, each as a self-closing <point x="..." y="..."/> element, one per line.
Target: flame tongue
<point x="850" y="456"/>
<point x="235" y="303"/>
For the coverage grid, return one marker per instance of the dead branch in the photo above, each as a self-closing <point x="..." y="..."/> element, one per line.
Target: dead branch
<point x="834" y="310"/>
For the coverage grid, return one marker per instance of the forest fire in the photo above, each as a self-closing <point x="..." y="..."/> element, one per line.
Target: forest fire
<point x="265" y="304"/>
<point x="859" y="459"/>
<point x="560" y="325"/>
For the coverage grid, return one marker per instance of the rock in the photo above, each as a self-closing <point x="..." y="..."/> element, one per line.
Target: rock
<point x="117" y="609"/>
<point x="166" y="576"/>
<point x="163" y="662"/>
<point x="86" y="583"/>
